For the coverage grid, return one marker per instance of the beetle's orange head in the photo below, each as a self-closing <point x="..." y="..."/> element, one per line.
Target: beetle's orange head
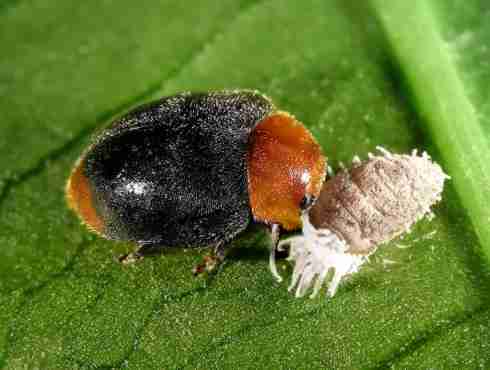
<point x="286" y="170"/>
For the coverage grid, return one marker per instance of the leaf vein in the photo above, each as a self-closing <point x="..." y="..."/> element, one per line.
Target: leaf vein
<point x="430" y="336"/>
<point x="28" y="294"/>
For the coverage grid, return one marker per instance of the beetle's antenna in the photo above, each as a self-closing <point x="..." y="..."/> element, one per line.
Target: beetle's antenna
<point x="275" y="229"/>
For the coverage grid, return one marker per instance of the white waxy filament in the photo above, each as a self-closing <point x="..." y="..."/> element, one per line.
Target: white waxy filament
<point x="314" y="253"/>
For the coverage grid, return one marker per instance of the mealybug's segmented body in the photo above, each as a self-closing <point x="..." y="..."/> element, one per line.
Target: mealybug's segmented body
<point x="378" y="199"/>
<point x="359" y="209"/>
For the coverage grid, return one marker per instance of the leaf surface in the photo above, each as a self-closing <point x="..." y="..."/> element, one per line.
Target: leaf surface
<point x="68" y="68"/>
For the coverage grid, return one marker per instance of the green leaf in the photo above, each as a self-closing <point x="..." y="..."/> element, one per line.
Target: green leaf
<point x="357" y="74"/>
<point x="452" y="118"/>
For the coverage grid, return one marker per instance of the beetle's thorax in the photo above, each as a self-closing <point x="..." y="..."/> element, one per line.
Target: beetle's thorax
<point x="284" y="165"/>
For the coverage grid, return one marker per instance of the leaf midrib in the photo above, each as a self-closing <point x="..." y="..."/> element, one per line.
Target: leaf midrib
<point x="441" y="98"/>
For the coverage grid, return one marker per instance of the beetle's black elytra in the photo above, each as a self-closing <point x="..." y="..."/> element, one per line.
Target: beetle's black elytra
<point x="174" y="172"/>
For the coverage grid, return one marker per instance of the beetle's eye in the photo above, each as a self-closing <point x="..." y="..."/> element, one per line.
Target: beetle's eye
<point x="307" y="202"/>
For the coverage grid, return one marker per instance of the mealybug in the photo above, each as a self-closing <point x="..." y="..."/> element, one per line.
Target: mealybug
<point x="359" y="209"/>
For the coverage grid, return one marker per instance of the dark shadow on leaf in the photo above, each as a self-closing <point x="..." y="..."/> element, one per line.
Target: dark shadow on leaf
<point x="248" y="253"/>
<point x="5" y="5"/>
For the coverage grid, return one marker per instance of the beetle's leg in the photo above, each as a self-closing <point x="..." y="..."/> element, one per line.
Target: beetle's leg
<point x="211" y="261"/>
<point x="275" y="231"/>
<point x="142" y="251"/>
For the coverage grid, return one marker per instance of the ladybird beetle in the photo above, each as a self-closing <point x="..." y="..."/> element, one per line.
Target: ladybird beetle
<point x="194" y="169"/>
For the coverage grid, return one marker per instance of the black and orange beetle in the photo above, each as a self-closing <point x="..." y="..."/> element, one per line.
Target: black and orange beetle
<point x="194" y="169"/>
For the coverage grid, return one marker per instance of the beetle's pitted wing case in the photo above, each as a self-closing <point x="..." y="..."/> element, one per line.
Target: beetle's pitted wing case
<point x="285" y="164"/>
<point x="173" y="172"/>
